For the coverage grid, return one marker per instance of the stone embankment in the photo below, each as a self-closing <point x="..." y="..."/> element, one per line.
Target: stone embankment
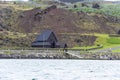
<point x="58" y="54"/>
<point x="97" y="55"/>
<point x="34" y="54"/>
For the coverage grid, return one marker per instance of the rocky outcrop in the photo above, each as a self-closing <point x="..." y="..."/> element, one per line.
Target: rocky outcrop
<point x="5" y="17"/>
<point x="113" y="19"/>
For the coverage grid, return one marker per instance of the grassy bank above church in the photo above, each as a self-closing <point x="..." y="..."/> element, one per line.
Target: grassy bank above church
<point x="103" y="41"/>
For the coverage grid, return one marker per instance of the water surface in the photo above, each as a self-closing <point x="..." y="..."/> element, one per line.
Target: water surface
<point x="31" y="69"/>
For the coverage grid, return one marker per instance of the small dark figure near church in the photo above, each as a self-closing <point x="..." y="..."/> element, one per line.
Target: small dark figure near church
<point x="118" y="32"/>
<point x="65" y="48"/>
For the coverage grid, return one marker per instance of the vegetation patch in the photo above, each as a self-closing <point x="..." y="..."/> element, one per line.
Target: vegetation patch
<point x="112" y="9"/>
<point x="113" y="40"/>
<point x="117" y="50"/>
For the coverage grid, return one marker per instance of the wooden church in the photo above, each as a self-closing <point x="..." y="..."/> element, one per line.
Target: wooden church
<point x="47" y="39"/>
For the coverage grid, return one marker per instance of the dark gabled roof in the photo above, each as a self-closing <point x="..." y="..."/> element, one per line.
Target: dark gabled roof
<point x="40" y="43"/>
<point x="44" y="36"/>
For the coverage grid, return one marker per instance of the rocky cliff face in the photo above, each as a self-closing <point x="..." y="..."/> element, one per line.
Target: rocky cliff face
<point x="63" y="21"/>
<point x="58" y="19"/>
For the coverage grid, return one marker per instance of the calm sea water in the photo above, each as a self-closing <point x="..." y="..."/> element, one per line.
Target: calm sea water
<point x="59" y="70"/>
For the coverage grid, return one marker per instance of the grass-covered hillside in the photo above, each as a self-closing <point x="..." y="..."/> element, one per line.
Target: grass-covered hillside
<point x="106" y="9"/>
<point x="77" y="24"/>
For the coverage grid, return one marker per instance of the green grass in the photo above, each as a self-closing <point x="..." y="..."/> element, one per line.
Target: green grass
<point x="118" y="50"/>
<point x="85" y="47"/>
<point x="106" y="41"/>
<point x="103" y="40"/>
<point x="112" y="9"/>
<point x="22" y="6"/>
<point x="114" y="40"/>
